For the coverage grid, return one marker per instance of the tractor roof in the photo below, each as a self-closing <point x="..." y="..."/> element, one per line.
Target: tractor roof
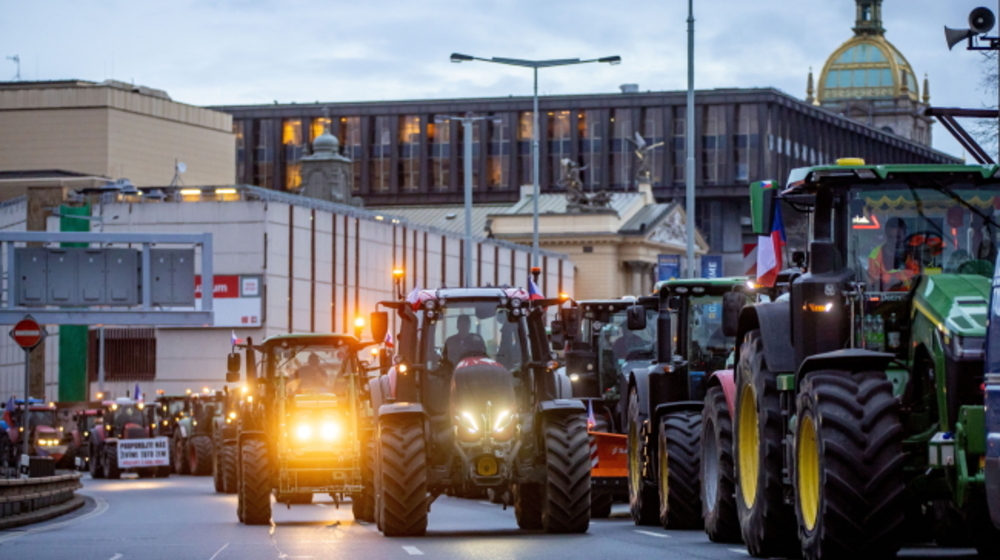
<point x="808" y="179"/>
<point x="701" y="286"/>
<point x="311" y="339"/>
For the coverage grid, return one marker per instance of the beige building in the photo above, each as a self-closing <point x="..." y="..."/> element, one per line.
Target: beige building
<point x="614" y="249"/>
<point x="76" y="133"/>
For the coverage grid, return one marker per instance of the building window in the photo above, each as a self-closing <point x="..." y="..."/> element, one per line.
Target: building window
<point x="498" y="161"/>
<point x="622" y="136"/>
<point x="263" y="163"/>
<point x="524" y="147"/>
<point x="350" y="139"/>
<point x="460" y="146"/>
<point x="381" y="157"/>
<point x="291" y="140"/>
<point x="589" y="131"/>
<point x="318" y="126"/>
<point x="409" y="153"/>
<point x="713" y="144"/>
<point x="559" y="140"/>
<point x="241" y="156"/>
<point x="747" y="142"/>
<point x="679" y="143"/>
<point x="439" y="136"/>
<point x="652" y="133"/>
<point x="129" y="354"/>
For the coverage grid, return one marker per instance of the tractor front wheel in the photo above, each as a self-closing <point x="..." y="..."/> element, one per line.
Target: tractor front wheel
<point x="111" y="470"/>
<point x="199" y="450"/>
<point x="567" y="474"/>
<point x="228" y="458"/>
<point x="363" y="502"/>
<point x="680" y="485"/>
<point x="718" y="483"/>
<point x="403" y="477"/>
<point x="848" y="471"/>
<point x="255" y="490"/>
<point x="642" y="496"/>
<point x="180" y="459"/>
<point x="94" y="462"/>
<point x="528" y="505"/>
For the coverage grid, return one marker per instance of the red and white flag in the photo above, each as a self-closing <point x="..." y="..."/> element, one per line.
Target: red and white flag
<point x="769" y="251"/>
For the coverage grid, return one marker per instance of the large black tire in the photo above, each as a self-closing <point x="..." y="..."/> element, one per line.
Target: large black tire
<point x="600" y="505"/>
<point x="567" y="474"/>
<point x="718" y="475"/>
<point x="94" y="464"/>
<point x="255" y="489"/>
<point x="110" y="462"/>
<point x="767" y="523"/>
<point x="218" y="476"/>
<point x="162" y="471"/>
<point x="403" y="474"/>
<point x="642" y="495"/>
<point x="180" y="458"/>
<point x="848" y="473"/>
<point x="200" y="455"/>
<point x="528" y="506"/>
<point x="363" y="502"/>
<point x="228" y="458"/>
<point x="679" y="466"/>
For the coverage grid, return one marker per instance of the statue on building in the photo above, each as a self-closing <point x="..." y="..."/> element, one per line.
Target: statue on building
<point x="327" y="174"/>
<point x="643" y="171"/>
<point x="576" y="199"/>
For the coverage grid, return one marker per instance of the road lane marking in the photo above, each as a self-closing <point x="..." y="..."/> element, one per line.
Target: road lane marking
<point x="102" y="506"/>
<point x="739" y="551"/>
<point x="321" y="505"/>
<point x="413" y="551"/>
<point x="116" y="556"/>
<point x="652" y="534"/>
<point x="217" y="552"/>
<point x="488" y="503"/>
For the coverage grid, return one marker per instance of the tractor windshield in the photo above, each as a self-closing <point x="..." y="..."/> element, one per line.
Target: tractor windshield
<point x="616" y="344"/>
<point x="314" y="368"/>
<point x="708" y="348"/>
<point x="128" y="414"/>
<point x="898" y="231"/>
<point x="42" y="417"/>
<point x="467" y="329"/>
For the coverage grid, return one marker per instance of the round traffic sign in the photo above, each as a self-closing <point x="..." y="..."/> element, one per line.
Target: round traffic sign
<point x="27" y="333"/>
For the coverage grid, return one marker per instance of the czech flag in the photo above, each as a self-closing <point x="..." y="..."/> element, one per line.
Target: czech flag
<point x="233" y="339"/>
<point x="8" y="413"/>
<point x="388" y="341"/>
<point x="591" y="420"/>
<point x="533" y="291"/>
<point x="769" y="249"/>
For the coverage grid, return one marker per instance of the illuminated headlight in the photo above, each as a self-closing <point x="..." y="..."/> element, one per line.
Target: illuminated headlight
<point x="516" y="302"/>
<point x="574" y="377"/>
<point x="232" y="415"/>
<point x="502" y="420"/>
<point x="468" y="421"/>
<point x="303" y="432"/>
<point x="968" y="347"/>
<point x="430" y="305"/>
<point x="329" y="431"/>
<point x="48" y="442"/>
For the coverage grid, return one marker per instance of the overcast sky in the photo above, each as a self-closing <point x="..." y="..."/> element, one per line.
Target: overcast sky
<point x="213" y="52"/>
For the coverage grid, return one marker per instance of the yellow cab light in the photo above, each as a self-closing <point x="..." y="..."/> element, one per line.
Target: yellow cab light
<point x="401" y="368"/>
<point x="359" y="323"/>
<point x="563" y="296"/>
<point x="818" y="307"/>
<point x="398" y="273"/>
<point x="850" y="161"/>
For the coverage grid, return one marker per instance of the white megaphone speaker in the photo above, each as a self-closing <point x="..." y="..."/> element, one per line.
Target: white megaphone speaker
<point x="981" y="20"/>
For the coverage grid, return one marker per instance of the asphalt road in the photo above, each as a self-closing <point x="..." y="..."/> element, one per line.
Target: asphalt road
<point x="183" y="518"/>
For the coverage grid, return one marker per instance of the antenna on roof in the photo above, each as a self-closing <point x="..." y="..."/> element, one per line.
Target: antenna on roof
<point x="17" y="60"/>
<point x="179" y="168"/>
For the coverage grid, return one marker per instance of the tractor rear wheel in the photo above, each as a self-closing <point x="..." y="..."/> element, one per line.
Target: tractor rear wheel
<point x="111" y="470"/>
<point x="642" y="496"/>
<point x="528" y="505"/>
<point x="600" y="505"/>
<point x="200" y="455"/>
<point x="718" y="482"/>
<point x="567" y="474"/>
<point x="228" y="458"/>
<point x="403" y="474"/>
<point x="680" y="470"/>
<point x="255" y="490"/>
<point x="217" y="472"/>
<point x="363" y="502"/>
<point x="94" y="462"/>
<point x="181" y="464"/>
<point x="766" y="521"/>
<point x="848" y="472"/>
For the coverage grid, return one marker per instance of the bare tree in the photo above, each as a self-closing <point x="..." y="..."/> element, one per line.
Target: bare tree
<point x="985" y="130"/>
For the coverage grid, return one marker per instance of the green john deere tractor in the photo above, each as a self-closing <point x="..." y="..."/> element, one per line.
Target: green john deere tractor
<point x="858" y="400"/>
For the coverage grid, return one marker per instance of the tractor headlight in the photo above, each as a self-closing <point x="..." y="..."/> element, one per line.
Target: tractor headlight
<point x="502" y="420"/>
<point x="330" y="431"/>
<point x="468" y="421"/>
<point x="303" y="432"/>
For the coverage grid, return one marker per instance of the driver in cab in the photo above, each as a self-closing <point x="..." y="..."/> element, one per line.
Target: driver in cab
<point x="891" y="265"/>
<point x="310" y="378"/>
<point x="464" y="343"/>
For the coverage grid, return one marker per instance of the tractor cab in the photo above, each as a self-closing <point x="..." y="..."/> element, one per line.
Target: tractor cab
<point x="125" y="418"/>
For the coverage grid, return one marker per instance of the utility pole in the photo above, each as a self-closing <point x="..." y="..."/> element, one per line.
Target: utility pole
<point x="689" y="170"/>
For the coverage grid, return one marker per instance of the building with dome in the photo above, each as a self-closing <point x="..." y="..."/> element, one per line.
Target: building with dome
<point x="869" y="81"/>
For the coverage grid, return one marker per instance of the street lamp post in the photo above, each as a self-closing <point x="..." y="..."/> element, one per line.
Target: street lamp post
<point x="689" y="170"/>
<point x="535" y="65"/>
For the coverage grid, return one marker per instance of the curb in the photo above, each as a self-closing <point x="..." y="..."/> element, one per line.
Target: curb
<point x="43" y="514"/>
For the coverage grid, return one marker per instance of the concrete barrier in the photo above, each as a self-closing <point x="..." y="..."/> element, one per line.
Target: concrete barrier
<point x="27" y="500"/>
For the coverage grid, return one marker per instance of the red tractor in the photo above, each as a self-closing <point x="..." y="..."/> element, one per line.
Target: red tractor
<point x="122" y="420"/>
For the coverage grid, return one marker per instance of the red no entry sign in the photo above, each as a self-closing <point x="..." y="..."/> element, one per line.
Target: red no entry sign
<point x="28" y="333"/>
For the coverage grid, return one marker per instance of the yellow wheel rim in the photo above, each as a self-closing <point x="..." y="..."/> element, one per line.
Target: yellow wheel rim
<point x="749" y="446"/>
<point x="807" y="457"/>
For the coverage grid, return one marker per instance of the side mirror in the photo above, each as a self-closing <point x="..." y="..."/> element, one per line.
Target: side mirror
<point x="732" y="304"/>
<point x="233" y="363"/>
<point x="636" y="318"/>
<point x="762" y="206"/>
<point x="380" y="325"/>
<point x="558" y="337"/>
<point x="251" y="363"/>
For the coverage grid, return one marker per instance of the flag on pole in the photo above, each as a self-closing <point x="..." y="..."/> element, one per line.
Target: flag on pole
<point x="533" y="291"/>
<point x="413" y="298"/>
<point x="769" y="249"/>
<point x="388" y="341"/>
<point x="233" y="339"/>
<point x="137" y="396"/>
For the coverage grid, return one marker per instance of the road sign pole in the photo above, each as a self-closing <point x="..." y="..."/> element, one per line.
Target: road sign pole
<point x="26" y="417"/>
<point x="28" y="334"/>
